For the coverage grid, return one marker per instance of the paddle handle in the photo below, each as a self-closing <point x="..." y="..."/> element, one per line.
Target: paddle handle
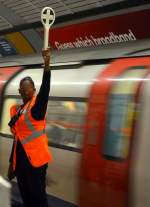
<point x="46" y="38"/>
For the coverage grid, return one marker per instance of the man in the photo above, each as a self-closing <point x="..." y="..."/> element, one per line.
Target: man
<point x="30" y="154"/>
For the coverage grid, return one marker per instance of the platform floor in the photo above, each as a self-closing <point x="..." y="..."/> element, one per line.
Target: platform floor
<point x="53" y="201"/>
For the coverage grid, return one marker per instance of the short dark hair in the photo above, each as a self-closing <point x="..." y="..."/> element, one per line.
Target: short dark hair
<point x="29" y="79"/>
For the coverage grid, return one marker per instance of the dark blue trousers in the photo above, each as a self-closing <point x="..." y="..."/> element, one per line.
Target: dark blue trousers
<point x="31" y="180"/>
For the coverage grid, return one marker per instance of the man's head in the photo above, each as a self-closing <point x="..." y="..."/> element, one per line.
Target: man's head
<point x="26" y="88"/>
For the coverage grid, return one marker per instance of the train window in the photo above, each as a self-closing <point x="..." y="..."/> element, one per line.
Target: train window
<point x="119" y="118"/>
<point x="118" y="126"/>
<point x="65" y="120"/>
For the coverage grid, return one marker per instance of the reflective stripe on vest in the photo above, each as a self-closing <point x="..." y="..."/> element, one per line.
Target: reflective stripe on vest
<point x="34" y="133"/>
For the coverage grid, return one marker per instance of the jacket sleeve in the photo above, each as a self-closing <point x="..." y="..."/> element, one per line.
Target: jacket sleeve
<point x="12" y="152"/>
<point x="12" y="113"/>
<point x="38" y="111"/>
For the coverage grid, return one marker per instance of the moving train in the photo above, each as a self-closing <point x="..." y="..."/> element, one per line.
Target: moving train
<point x="97" y="123"/>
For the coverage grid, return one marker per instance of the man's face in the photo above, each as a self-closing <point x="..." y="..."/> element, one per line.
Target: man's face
<point x="26" y="90"/>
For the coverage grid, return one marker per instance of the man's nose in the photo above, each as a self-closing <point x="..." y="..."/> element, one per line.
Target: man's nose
<point x="26" y="92"/>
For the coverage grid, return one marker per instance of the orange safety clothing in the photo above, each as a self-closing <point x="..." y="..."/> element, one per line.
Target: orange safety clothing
<point x="31" y="134"/>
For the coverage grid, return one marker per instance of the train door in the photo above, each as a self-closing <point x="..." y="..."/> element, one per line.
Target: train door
<point x="6" y="74"/>
<point x="109" y="134"/>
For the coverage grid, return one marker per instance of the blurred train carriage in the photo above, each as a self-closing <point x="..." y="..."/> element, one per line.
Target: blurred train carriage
<point x="93" y="112"/>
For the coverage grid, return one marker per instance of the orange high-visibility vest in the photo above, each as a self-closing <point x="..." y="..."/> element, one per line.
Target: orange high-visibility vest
<point x="31" y="134"/>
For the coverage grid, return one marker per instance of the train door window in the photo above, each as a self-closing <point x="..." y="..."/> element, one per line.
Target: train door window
<point x="120" y="113"/>
<point x="65" y="121"/>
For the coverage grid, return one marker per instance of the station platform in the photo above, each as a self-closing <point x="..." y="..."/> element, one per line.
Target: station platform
<point x="52" y="200"/>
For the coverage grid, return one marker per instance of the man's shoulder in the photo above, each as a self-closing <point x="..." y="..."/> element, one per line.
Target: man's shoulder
<point x="14" y="107"/>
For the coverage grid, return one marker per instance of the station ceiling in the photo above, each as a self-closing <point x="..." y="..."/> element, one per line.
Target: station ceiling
<point x="16" y="15"/>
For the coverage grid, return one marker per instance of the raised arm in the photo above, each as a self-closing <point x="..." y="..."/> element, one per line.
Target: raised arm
<point x="39" y="109"/>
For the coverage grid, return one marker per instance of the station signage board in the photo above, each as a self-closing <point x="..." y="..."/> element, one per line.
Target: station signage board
<point x="110" y="30"/>
<point x="6" y="49"/>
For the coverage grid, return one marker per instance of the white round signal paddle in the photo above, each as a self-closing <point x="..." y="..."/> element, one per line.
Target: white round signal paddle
<point x="47" y="19"/>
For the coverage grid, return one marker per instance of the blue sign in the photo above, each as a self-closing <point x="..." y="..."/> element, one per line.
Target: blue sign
<point x="6" y="49"/>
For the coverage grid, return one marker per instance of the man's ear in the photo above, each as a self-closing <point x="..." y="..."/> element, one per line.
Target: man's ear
<point x="19" y="91"/>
